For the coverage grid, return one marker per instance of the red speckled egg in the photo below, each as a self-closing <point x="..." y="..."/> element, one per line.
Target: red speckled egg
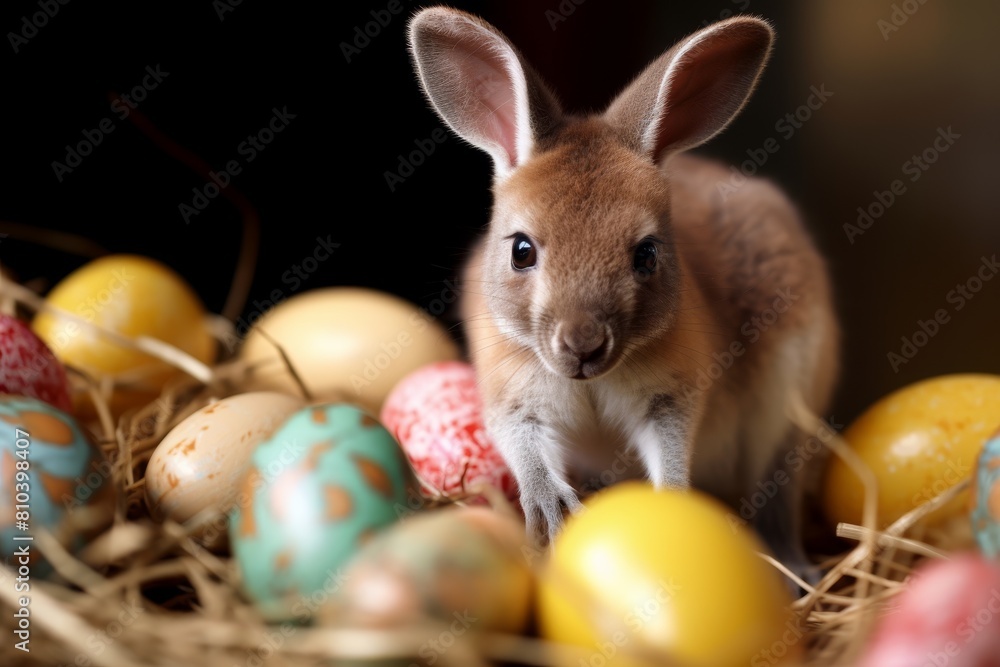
<point x="436" y="414"/>
<point x="948" y="614"/>
<point x="28" y="367"/>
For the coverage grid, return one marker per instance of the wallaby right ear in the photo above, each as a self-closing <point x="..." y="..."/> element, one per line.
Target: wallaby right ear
<point x="694" y="90"/>
<point x="480" y="85"/>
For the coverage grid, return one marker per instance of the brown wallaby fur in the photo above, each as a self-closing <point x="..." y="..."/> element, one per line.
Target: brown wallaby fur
<point x="625" y="315"/>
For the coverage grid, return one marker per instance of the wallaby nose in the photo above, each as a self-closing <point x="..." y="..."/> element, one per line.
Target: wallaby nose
<point x="586" y="339"/>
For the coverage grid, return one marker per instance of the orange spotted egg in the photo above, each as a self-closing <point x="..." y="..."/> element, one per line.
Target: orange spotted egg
<point x="52" y="477"/>
<point x="328" y="480"/>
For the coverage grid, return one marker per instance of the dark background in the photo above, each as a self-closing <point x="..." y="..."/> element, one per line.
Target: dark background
<point x="325" y="174"/>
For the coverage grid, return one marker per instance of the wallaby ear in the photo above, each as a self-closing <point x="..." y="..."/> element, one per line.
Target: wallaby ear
<point x="480" y="85"/>
<point x="692" y="92"/>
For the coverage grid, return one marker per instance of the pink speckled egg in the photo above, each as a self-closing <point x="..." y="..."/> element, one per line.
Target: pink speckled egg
<point x="28" y="367"/>
<point x="949" y="614"/>
<point x="436" y="414"/>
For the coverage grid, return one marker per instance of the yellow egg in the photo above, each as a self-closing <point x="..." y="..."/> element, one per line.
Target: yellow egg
<point x="132" y="296"/>
<point x="665" y="574"/>
<point x="346" y="343"/>
<point x="918" y="441"/>
<point x="201" y="462"/>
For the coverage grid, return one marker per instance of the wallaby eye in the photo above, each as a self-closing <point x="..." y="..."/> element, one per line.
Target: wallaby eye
<point x="522" y="253"/>
<point x="644" y="260"/>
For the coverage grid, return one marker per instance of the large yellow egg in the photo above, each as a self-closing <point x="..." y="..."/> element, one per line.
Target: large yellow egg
<point x="132" y="296"/>
<point x="918" y="441"/>
<point x="346" y="343"/>
<point x="665" y="574"/>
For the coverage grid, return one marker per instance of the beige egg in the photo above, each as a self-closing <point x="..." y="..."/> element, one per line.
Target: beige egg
<point x="200" y="463"/>
<point x="346" y="343"/>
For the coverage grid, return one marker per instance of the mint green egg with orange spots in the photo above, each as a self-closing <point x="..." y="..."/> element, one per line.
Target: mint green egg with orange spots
<point x="329" y="479"/>
<point x="985" y="499"/>
<point x="52" y="477"/>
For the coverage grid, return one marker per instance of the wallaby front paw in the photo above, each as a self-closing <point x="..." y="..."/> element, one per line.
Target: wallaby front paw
<point x="545" y="513"/>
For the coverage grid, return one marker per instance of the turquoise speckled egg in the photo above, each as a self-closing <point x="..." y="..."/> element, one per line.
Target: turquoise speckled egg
<point x="49" y="471"/>
<point x="324" y="483"/>
<point x="985" y="499"/>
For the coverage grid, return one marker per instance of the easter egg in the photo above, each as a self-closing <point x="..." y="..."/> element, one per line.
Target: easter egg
<point x="918" y="441"/>
<point x="320" y="487"/>
<point x="28" y="367"/>
<point x="947" y="614"/>
<point x="346" y="343"/>
<point x="666" y="575"/>
<point x="984" y="500"/>
<point x="131" y="296"/>
<point x="201" y="462"/>
<point x="442" y="564"/>
<point x="51" y="476"/>
<point x="436" y="414"/>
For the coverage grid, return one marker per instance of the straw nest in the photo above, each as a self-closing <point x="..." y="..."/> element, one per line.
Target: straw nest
<point x="146" y="593"/>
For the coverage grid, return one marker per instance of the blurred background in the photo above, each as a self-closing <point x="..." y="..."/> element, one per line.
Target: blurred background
<point x="909" y="94"/>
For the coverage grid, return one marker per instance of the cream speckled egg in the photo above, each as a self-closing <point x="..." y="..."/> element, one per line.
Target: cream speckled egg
<point x="347" y="343"/>
<point x="200" y="463"/>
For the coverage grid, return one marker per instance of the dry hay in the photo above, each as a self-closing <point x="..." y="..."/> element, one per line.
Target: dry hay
<point x="147" y="593"/>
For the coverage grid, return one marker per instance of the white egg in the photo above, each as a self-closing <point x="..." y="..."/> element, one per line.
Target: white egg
<point x="200" y="463"/>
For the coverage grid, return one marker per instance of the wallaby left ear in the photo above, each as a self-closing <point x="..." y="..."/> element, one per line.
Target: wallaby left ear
<point x="693" y="91"/>
<point x="480" y="85"/>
